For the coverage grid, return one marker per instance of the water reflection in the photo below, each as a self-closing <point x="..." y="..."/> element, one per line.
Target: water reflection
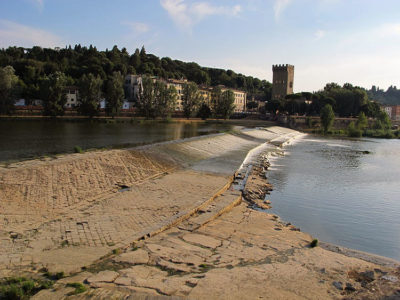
<point x="337" y="192"/>
<point x="29" y="138"/>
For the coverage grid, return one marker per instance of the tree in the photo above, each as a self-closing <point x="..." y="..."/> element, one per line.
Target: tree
<point x="146" y="99"/>
<point x="216" y="96"/>
<point x="114" y="94"/>
<point x="165" y="99"/>
<point x="383" y="121"/>
<point x="191" y="99"/>
<point x="251" y="105"/>
<point x="362" y="121"/>
<point x="225" y="105"/>
<point x="89" y="92"/>
<point x="327" y="117"/>
<point x="204" y="111"/>
<point x="8" y="85"/>
<point x="274" y="106"/>
<point x="52" y="91"/>
<point x="353" y="130"/>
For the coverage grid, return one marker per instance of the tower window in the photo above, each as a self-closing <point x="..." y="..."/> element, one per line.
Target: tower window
<point x="291" y="84"/>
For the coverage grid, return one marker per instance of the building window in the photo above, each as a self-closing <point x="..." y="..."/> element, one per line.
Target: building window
<point x="291" y="84"/>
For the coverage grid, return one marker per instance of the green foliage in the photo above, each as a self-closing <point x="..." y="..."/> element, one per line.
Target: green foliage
<point x="156" y="99"/>
<point x="114" y="94"/>
<point x="165" y="98"/>
<point x="21" y="288"/>
<point x="191" y="99"/>
<point x="353" y="130"/>
<point x="383" y="121"/>
<point x="327" y="117"/>
<point x="223" y="103"/>
<point x="8" y="88"/>
<point x="33" y="64"/>
<point x="362" y="121"/>
<point x="252" y="105"/>
<point x="77" y="149"/>
<point x="204" y="111"/>
<point x="314" y="243"/>
<point x="146" y="102"/>
<point x="79" y="287"/>
<point x="52" y="92"/>
<point x="54" y="276"/>
<point x="274" y="106"/>
<point x="89" y="91"/>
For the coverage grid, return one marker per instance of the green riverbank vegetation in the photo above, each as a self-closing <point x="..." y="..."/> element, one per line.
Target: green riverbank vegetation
<point x="43" y="73"/>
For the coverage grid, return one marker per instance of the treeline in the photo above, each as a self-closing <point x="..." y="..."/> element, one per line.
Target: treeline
<point x="346" y="101"/>
<point x="389" y="97"/>
<point x="31" y="65"/>
<point x="155" y="98"/>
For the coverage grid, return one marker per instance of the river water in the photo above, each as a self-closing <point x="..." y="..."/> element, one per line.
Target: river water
<point x="23" y="139"/>
<point x="333" y="190"/>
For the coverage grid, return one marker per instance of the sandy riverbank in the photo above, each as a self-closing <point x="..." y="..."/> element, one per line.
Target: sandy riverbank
<point x="166" y="209"/>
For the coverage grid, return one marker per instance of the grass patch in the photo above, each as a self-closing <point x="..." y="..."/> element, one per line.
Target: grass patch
<point x="21" y="288"/>
<point x="78" y="149"/>
<point x="314" y="243"/>
<point x="116" y="251"/>
<point x="54" y="276"/>
<point x="79" y="287"/>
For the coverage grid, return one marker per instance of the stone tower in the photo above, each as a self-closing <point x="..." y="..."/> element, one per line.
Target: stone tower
<point x="282" y="81"/>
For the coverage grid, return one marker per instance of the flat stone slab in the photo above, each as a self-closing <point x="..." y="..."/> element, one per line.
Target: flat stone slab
<point x="103" y="276"/>
<point x="123" y="281"/>
<point x="134" y="257"/>
<point x="202" y="240"/>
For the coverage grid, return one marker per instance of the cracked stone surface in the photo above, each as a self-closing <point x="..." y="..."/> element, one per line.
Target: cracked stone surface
<point x="245" y="258"/>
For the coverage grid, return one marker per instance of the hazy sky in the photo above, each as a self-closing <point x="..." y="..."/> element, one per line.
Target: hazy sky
<point x="355" y="41"/>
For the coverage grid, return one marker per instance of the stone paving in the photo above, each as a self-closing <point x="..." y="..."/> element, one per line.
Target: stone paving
<point x="67" y="212"/>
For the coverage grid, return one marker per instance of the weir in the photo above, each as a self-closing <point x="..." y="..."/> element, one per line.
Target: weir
<point x="73" y="204"/>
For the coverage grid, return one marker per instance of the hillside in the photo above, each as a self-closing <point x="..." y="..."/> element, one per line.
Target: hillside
<point x="33" y="63"/>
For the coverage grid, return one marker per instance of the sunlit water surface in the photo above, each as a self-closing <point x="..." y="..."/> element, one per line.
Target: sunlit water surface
<point x="331" y="189"/>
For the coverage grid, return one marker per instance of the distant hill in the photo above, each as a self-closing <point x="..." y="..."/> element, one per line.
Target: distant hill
<point x="33" y="63"/>
<point x="389" y="97"/>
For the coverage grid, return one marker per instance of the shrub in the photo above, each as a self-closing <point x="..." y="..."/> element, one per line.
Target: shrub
<point x="353" y="131"/>
<point x="314" y="243"/>
<point x="79" y="287"/>
<point x="21" y="288"/>
<point x="78" y="149"/>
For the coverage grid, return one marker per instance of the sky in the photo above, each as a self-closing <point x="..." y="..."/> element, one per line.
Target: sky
<point x="356" y="41"/>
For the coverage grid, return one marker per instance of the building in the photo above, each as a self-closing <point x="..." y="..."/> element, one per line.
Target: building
<point x="206" y="94"/>
<point x="72" y="94"/>
<point x="240" y="99"/>
<point x="282" y="81"/>
<point x="178" y="84"/>
<point x="133" y="84"/>
<point x="20" y="102"/>
<point x="393" y="111"/>
<point x="388" y="110"/>
<point x="396" y="112"/>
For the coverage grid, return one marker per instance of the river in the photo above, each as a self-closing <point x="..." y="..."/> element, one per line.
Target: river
<point x="340" y="194"/>
<point x="24" y="139"/>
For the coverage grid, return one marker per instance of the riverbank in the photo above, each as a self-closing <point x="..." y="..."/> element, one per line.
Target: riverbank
<point x="167" y="220"/>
